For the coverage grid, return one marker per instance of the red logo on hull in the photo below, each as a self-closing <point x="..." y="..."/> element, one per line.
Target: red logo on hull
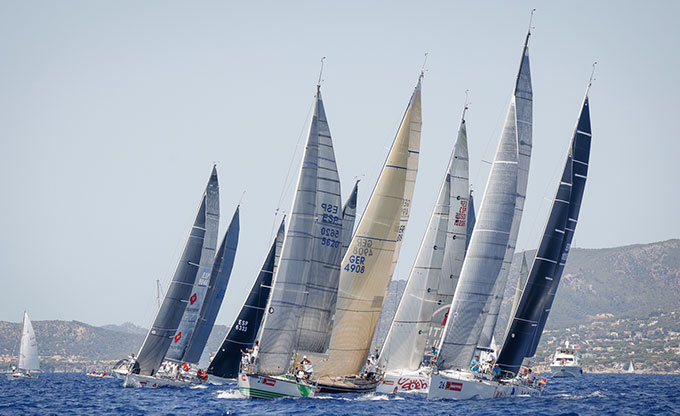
<point x="267" y="381"/>
<point x="453" y="386"/>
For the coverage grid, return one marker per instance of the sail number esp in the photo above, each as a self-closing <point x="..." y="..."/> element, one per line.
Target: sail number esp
<point x="330" y="237"/>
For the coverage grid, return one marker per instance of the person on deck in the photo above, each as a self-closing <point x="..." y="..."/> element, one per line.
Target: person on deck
<point x="496" y="371"/>
<point x="531" y="377"/>
<point x="308" y="368"/>
<point x="432" y="354"/>
<point x="475" y="365"/>
<point x="370" y="370"/>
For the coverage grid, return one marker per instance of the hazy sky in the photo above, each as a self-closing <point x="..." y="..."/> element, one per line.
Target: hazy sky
<point x="112" y="113"/>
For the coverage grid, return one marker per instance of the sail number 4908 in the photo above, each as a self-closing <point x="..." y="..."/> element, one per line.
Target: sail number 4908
<point x="356" y="264"/>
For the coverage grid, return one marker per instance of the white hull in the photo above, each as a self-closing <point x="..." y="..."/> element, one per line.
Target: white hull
<point x="19" y="376"/>
<point x="262" y="387"/>
<point x="98" y="375"/>
<point x="566" y="371"/>
<point x="219" y="381"/>
<point x="462" y="385"/>
<point x="136" y="380"/>
<point x="413" y="382"/>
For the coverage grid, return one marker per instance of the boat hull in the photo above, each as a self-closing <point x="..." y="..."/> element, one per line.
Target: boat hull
<point x="263" y="387"/>
<point x="459" y="385"/>
<point x="404" y="383"/>
<point x="137" y="380"/>
<point x="566" y="371"/>
<point x="341" y="385"/>
<point x="19" y="376"/>
<point x="98" y="375"/>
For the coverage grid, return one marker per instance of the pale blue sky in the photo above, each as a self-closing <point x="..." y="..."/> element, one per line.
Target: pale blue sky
<point x="112" y="112"/>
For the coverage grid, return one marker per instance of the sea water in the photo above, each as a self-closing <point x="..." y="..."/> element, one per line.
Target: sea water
<point x="591" y="394"/>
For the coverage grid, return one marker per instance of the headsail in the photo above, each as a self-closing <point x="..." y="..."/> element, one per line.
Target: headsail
<point x="242" y="333"/>
<point x="522" y="102"/>
<point x="219" y="279"/>
<point x="301" y="281"/>
<point x="429" y="291"/>
<point x="28" y="352"/>
<point x="164" y="327"/>
<point x="369" y="263"/>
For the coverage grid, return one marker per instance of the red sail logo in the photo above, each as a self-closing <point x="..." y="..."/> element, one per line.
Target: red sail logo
<point x="178" y="337"/>
<point x="192" y="299"/>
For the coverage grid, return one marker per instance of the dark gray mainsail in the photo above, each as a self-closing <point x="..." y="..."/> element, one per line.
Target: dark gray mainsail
<point x="170" y="313"/>
<point x="472" y="218"/>
<point x="242" y="333"/>
<point x="580" y="149"/>
<point x="552" y="252"/>
<point x="219" y="279"/>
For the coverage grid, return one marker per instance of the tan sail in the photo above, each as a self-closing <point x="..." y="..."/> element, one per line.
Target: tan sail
<point x="369" y="262"/>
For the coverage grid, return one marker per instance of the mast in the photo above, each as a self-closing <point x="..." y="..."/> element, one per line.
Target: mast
<point x="158" y="293"/>
<point x="521" y="127"/>
<point x="369" y="263"/>
<point x="177" y="296"/>
<point x="546" y="270"/>
<point x="219" y="279"/>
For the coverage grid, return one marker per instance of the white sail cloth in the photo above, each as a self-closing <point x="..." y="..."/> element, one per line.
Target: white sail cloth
<point x="369" y="263"/>
<point x="484" y="257"/>
<point x="301" y="287"/>
<point x="28" y="351"/>
<point x="429" y="291"/>
<point x="522" y="101"/>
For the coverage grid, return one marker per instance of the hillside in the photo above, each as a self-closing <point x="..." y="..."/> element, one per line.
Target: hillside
<point x="619" y="303"/>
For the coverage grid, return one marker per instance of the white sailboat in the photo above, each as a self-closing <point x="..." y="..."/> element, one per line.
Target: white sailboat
<point x="416" y="330"/>
<point x="305" y="283"/>
<point x="28" y="353"/>
<point x="482" y="269"/>
<point x="631" y="369"/>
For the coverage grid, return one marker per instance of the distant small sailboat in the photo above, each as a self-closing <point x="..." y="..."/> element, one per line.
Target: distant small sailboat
<point x="28" y="353"/>
<point x="631" y="369"/>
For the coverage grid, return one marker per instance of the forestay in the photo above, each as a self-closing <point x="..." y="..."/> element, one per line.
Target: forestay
<point x="168" y="317"/>
<point x="368" y="264"/>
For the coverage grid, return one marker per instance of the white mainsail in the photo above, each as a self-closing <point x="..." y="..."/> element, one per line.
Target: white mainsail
<point x="484" y="258"/>
<point x="297" y="284"/>
<point x="28" y="351"/>
<point x="429" y="291"/>
<point x="520" y="126"/>
<point x="369" y="263"/>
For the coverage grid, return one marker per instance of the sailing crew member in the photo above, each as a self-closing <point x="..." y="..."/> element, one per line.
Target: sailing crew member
<point x="370" y="370"/>
<point x="475" y="365"/>
<point x="308" y="367"/>
<point x="254" y="352"/>
<point x="432" y="354"/>
<point x="496" y="371"/>
<point x="531" y="377"/>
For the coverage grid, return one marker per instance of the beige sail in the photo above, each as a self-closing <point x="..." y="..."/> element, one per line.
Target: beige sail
<point x="370" y="260"/>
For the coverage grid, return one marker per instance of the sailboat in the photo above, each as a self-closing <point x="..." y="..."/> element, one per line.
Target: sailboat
<point x="299" y="315"/>
<point x="369" y="263"/>
<point x="28" y="353"/>
<point x="241" y="335"/>
<point x="197" y="257"/>
<point x="416" y="330"/>
<point x="539" y="292"/>
<point x="631" y="369"/>
<point x="489" y="243"/>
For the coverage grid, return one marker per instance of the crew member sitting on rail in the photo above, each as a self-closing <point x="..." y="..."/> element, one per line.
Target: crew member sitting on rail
<point x="475" y="365"/>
